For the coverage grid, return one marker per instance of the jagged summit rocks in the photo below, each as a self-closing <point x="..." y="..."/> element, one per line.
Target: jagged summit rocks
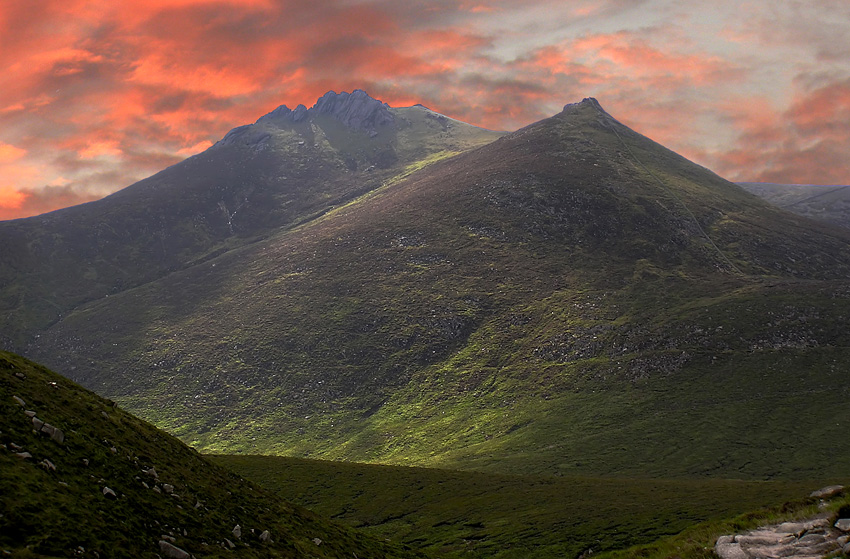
<point x="356" y="110"/>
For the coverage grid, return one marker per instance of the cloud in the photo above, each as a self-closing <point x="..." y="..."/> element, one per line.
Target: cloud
<point x="96" y="90"/>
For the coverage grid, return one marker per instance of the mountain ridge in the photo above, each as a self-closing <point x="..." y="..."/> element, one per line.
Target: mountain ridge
<point x="501" y="309"/>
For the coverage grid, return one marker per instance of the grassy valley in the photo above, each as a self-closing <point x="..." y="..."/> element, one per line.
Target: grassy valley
<point x="471" y="514"/>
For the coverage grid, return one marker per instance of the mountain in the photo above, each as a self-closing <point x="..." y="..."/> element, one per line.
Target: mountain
<point x="278" y="173"/>
<point x="825" y="203"/>
<point x="572" y="298"/>
<point x="81" y="477"/>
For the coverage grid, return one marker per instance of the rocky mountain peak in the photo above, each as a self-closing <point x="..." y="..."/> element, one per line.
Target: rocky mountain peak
<point x="357" y="110"/>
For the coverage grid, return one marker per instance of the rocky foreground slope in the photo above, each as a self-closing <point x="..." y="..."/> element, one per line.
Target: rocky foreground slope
<point x="79" y="477"/>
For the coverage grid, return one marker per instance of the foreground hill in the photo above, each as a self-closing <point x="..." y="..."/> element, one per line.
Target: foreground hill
<point x="572" y="298"/>
<point x="80" y="477"/>
<point x="825" y="203"/>
<point x="285" y="169"/>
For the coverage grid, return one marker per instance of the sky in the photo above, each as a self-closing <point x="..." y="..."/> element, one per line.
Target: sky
<point x="95" y="95"/>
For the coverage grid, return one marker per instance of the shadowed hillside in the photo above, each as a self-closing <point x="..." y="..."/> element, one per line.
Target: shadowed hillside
<point x="81" y="477"/>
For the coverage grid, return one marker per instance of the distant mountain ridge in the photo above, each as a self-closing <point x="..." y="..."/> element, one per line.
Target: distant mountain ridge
<point x="829" y="203"/>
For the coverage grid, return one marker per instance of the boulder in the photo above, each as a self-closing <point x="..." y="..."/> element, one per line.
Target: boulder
<point x="237" y="531"/>
<point x="317" y="541"/>
<point x="170" y="550"/>
<point x="54" y="433"/>
<point x="48" y="465"/>
<point x="843" y="524"/>
<point x="29" y="413"/>
<point x="827" y="492"/>
<point x="229" y="543"/>
<point x="727" y="548"/>
<point x="23" y="455"/>
<point x="109" y="493"/>
<point x="37" y="424"/>
<point x="168" y="488"/>
<point x="265" y="536"/>
<point x="19" y="401"/>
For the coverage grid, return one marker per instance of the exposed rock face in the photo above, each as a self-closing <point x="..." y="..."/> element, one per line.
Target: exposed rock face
<point x="357" y="110"/>
<point x="790" y="539"/>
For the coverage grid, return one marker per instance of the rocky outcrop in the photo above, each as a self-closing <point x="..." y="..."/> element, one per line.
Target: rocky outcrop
<point x="357" y="110"/>
<point x="810" y="539"/>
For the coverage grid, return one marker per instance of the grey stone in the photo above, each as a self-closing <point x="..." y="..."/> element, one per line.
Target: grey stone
<point x="53" y="432"/>
<point x="843" y="524"/>
<point x="265" y="536"/>
<point x="237" y="531"/>
<point x="171" y="550"/>
<point x="48" y="465"/>
<point x="29" y="413"/>
<point x="846" y="549"/>
<point x="37" y="424"/>
<point x="23" y="455"/>
<point x="230" y="544"/>
<point x="827" y="492"/>
<point x="843" y="540"/>
<point x="317" y="541"/>
<point x="19" y="401"/>
<point x="168" y="488"/>
<point x="109" y="493"/>
<point x="151" y="472"/>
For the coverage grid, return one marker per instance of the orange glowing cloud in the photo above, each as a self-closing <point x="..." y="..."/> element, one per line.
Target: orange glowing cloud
<point x="105" y="94"/>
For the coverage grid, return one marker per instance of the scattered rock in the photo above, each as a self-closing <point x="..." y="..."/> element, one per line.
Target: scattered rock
<point x="229" y="543"/>
<point x="19" y="401"/>
<point x="20" y="375"/>
<point x="168" y="488"/>
<point x="237" y="531"/>
<point x="317" y="541"/>
<point x="827" y="492"/>
<point x="151" y="472"/>
<point x="37" y="424"/>
<point x="54" y="433"/>
<point x="104" y="414"/>
<point x="265" y="536"/>
<point x="170" y="550"/>
<point x="172" y="539"/>
<point x="157" y="489"/>
<point x="23" y="455"/>
<point x="16" y="446"/>
<point x="146" y="486"/>
<point x="47" y="465"/>
<point x="29" y="413"/>
<point x="109" y="493"/>
<point x="843" y="524"/>
<point x="85" y="461"/>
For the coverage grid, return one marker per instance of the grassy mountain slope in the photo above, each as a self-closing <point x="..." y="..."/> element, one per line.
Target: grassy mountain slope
<point x="470" y="514"/>
<point x="825" y="203"/>
<point x="276" y="173"/>
<point x="55" y="501"/>
<point x="572" y="298"/>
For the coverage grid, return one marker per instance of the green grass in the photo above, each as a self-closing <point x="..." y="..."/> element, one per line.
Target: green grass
<point x="469" y="514"/>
